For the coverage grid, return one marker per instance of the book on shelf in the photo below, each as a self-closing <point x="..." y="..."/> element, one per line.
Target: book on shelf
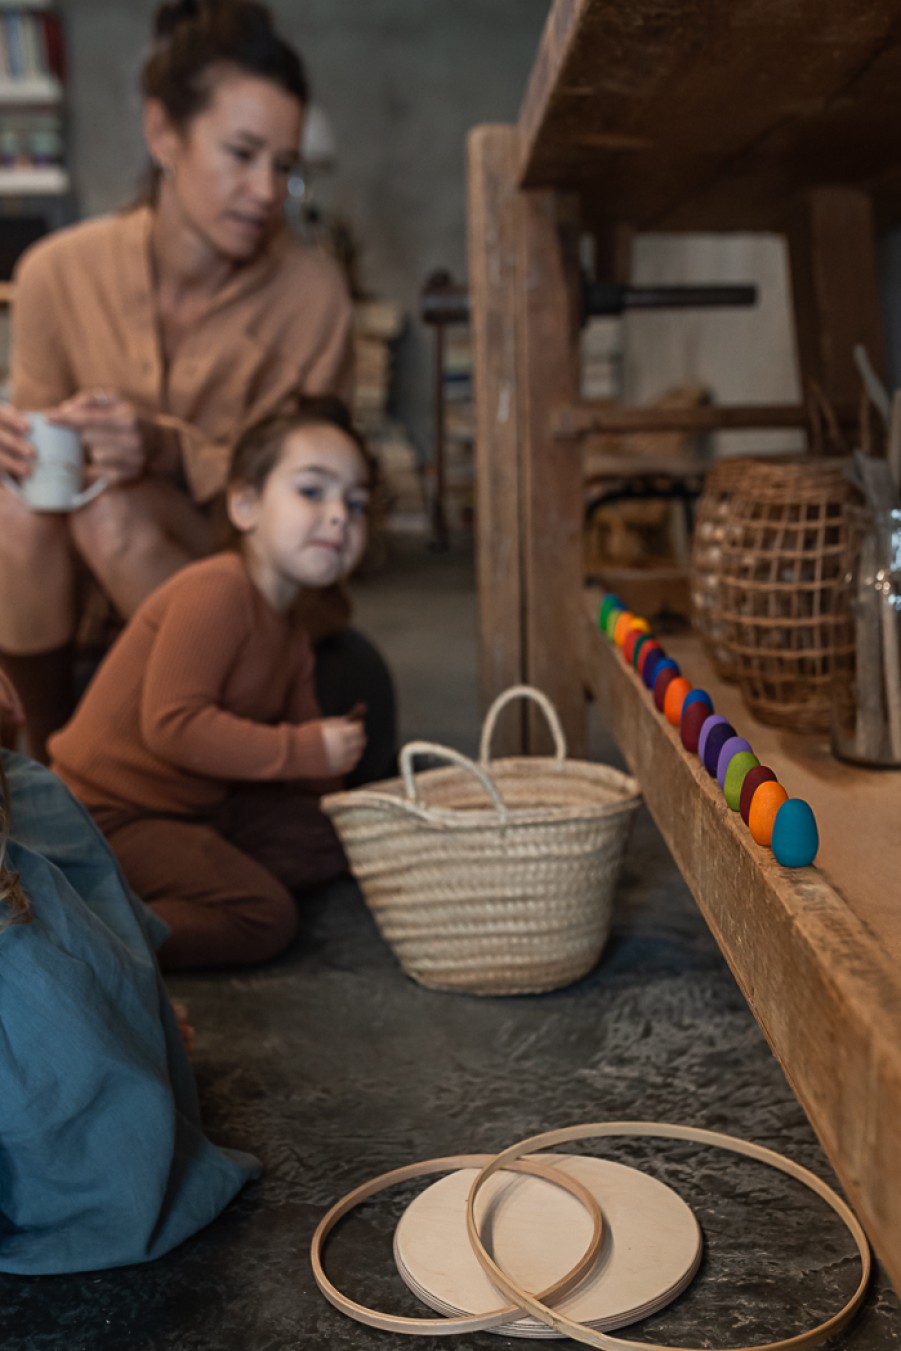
<point x="31" y="46"/>
<point x="30" y="138"/>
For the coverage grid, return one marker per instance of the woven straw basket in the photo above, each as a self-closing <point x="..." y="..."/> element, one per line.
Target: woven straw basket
<point x="491" y="878"/>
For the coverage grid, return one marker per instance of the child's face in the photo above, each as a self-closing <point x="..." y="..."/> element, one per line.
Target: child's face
<point x="307" y="526"/>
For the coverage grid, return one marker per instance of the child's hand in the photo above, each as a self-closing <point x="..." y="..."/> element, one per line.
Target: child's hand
<point x="10" y="704"/>
<point x="344" y="740"/>
<point x="182" y="1017"/>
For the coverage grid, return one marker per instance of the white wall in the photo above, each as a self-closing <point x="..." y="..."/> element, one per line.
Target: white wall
<point x="742" y="355"/>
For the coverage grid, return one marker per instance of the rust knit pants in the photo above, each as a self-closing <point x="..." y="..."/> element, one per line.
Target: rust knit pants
<point x="226" y="885"/>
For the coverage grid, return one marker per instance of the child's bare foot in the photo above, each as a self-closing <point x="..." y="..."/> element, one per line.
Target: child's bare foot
<point x="184" y="1027"/>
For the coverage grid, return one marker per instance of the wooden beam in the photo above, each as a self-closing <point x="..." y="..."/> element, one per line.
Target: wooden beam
<point x="548" y="315"/>
<point x="691" y="116"/>
<point x="492" y="156"/>
<point x="835" y="283"/>
<point x="819" y="972"/>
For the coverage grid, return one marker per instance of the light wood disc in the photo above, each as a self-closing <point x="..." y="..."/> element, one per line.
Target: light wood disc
<point x="536" y="1232"/>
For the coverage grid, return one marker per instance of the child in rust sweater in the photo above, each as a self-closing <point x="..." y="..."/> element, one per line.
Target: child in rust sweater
<point x="199" y="747"/>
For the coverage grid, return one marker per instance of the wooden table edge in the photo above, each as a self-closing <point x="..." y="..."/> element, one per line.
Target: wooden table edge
<point x="822" y="988"/>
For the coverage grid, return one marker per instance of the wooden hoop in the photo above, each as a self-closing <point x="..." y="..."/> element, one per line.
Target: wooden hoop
<point x="440" y="1327"/>
<point x="580" y="1332"/>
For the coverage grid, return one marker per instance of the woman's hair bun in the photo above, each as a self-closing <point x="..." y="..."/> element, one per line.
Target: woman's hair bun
<point x="172" y="14"/>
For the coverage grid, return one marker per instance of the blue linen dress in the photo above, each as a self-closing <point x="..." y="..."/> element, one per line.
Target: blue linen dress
<point x="103" y="1160"/>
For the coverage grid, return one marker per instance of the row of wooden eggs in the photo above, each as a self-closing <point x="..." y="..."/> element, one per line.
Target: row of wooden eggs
<point x="787" y="825"/>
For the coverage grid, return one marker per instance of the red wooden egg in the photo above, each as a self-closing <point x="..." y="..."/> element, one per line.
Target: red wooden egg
<point x="632" y="638"/>
<point x="647" y="650"/>
<point x="693" y="720"/>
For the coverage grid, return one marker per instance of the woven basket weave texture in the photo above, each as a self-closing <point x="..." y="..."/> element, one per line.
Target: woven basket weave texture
<point x="491" y="878"/>
<point x="781" y="568"/>
<point x="712" y="516"/>
<point x="770" y="619"/>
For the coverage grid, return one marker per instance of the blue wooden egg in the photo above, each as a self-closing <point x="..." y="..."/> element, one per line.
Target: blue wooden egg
<point x="795" y="837"/>
<point x="697" y="696"/>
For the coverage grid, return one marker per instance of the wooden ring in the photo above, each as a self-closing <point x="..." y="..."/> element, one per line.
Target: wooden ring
<point x="445" y="1326"/>
<point x="580" y="1332"/>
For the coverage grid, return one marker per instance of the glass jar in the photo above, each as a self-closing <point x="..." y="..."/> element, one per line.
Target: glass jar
<point x="866" y="685"/>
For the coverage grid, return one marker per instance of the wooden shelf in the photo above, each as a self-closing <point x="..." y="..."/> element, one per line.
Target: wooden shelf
<point x="711" y="117"/>
<point x="38" y="182"/>
<point x="31" y="92"/>
<point x="816" y="951"/>
<point x="688" y="116"/>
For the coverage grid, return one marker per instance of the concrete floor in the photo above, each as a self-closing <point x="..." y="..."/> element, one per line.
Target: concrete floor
<point x="333" y="1067"/>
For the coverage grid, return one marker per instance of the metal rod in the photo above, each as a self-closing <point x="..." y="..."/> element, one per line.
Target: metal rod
<point x="600" y="297"/>
<point x="448" y="304"/>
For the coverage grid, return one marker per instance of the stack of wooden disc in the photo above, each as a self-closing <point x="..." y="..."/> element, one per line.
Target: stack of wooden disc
<point x="537" y="1232"/>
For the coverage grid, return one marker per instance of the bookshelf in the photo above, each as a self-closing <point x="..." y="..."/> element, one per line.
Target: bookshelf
<point x="450" y="473"/>
<point x="378" y="325"/>
<point x="32" y="74"/>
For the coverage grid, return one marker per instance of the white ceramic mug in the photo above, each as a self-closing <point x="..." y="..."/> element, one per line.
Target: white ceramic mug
<point x="55" y="481"/>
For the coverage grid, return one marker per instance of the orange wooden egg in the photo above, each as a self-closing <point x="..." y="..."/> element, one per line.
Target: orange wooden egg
<point x="674" y="698"/>
<point x="768" y="798"/>
<point x="622" y="627"/>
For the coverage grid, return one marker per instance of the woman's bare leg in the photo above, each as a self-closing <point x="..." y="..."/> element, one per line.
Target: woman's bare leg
<point x="134" y="538"/>
<point x="37" y="578"/>
<point x="37" y="615"/>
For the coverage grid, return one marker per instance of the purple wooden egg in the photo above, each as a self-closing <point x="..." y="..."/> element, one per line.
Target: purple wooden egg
<point x="729" y="748"/>
<point x="716" y="740"/>
<point x="714" y="720"/>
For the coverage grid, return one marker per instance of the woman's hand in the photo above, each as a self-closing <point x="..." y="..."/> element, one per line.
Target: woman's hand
<point x="115" y="438"/>
<point x="344" y="740"/>
<point x="16" y="451"/>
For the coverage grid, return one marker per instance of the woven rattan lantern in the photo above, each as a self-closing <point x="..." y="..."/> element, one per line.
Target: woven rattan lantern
<point x="712" y="516"/>
<point x="779" y="571"/>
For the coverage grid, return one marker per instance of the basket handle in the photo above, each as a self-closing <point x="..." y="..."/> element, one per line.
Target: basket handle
<point x="414" y="748"/>
<point x="522" y="692"/>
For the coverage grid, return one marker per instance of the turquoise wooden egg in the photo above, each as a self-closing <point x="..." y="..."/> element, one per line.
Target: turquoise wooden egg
<point x="795" y="837"/>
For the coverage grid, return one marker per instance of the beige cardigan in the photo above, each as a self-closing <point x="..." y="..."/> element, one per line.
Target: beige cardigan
<point x="84" y="316"/>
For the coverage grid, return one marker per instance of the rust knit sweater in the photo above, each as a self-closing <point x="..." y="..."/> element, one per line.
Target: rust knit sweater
<point x="206" y="685"/>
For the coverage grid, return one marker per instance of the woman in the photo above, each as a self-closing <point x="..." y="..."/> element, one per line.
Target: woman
<point x="159" y="334"/>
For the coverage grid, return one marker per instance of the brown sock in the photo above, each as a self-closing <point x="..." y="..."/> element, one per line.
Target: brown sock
<point x="45" y="685"/>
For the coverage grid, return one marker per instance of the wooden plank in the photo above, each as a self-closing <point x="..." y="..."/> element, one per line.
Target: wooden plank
<point x="547" y="312"/>
<point x="835" y="285"/>
<point x="865" y="875"/>
<point x="818" y="978"/>
<point x="492" y="155"/>
<point x="697" y="116"/>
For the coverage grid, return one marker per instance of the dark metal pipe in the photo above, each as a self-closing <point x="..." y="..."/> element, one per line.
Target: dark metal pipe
<point x="599" y="297"/>
<point x="448" y="304"/>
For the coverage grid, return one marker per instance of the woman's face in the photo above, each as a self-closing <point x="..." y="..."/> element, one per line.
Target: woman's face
<point x="225" y="174"/>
